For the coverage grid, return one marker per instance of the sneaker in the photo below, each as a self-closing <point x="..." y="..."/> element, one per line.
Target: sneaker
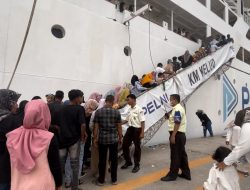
<point x="114" y="182"/>
<point x="136" y="169"/>
<point x="184" y="176"/>
<point x="246" y="174"/>
<point x="96" y="182"/>
<point x="126" y="165"/>
<point x="99" y="184"/>
<point x="67" y="185"/>
<point x="83" y="173"/>
<point x="81" y="179"/>
<point x="167" y="178"/>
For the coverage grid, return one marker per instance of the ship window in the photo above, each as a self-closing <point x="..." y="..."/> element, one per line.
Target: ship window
<point x="127" y="51"/>
<point x="243" y="55"/>
<point x="232" y="18"/>
<point x="203" y="2"/>
<point x="218" y="8"/>
<point x="248" y="34"/>
<point x="194" y="28"/>
<point x="240" y="54"/>
<point x="215" y="33"/>
<point x="58" y="31"/>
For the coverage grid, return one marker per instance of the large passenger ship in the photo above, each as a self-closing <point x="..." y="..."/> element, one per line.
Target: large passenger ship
<point x="93" y="45"/>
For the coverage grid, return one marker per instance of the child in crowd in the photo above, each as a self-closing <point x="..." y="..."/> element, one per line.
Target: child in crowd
<point x="222" y="180"/>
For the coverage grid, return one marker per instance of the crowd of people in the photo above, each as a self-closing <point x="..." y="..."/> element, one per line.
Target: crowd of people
<point x="42" y="142"/>
<point x="175" y="65"/>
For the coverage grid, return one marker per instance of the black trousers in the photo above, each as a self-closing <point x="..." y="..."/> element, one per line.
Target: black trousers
<point x="87" y="152"/>
<point x="179" y="158"/>
<point x="113" y="156"/>
<point x="132" y="135"/>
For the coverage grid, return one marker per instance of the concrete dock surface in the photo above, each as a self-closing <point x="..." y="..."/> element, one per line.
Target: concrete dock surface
<point x="155" y="163"/>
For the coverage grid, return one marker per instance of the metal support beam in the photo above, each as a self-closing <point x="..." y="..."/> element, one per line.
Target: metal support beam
<point x="208" y="28"/>
<point x="243" y="55"/>
<point x="239" y="8"/>
<point x="208" y="4"/>
<point x="135" y="2"/>
<point x="226" y="15"/>
<point x="172" y="20"/>
<point x="137" y="13"/>
<point x="209" y="31"/>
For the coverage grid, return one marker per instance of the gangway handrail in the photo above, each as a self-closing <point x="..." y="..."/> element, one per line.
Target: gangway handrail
<point x="155" y="126"/>
<point x="173" y="75"/>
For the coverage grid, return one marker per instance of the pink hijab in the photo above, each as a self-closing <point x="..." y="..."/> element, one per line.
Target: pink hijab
<point x="27" y="142"/>
<point x="90" y="106"/>
<point x="96" y="96"/>
<point x="117" y="90"/>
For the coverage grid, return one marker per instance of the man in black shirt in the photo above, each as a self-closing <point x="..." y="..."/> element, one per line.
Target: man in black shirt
<point x="205" y="122"/>
<point x="71" y="130"/>
<point x="8" y="123"/>
<point x="107" y="134"/>
<point x="55" y="108"/>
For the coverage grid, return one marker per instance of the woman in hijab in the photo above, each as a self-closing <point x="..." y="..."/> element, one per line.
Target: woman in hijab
<point x="33" y="151"/>
<point x="8" y="106"/>
<point x="122" y="96"/>
<point x="187" y="59"/>
<point x="137" y="88"/>
<point x="95" y="96"/>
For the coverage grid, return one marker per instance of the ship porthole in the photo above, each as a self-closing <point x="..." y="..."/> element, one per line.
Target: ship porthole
<point x="58" y="31"/>
<point x="127" y="51"/>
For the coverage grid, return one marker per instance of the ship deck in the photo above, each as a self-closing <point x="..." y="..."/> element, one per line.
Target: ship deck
<point x="155" y="163"/>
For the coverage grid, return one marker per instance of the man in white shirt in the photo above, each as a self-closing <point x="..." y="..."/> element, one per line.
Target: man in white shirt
<point x="226" y="180"/>
<point x="134" y="133"/>
<point x="243" y="146"/>
<point x="159" y="69"/>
